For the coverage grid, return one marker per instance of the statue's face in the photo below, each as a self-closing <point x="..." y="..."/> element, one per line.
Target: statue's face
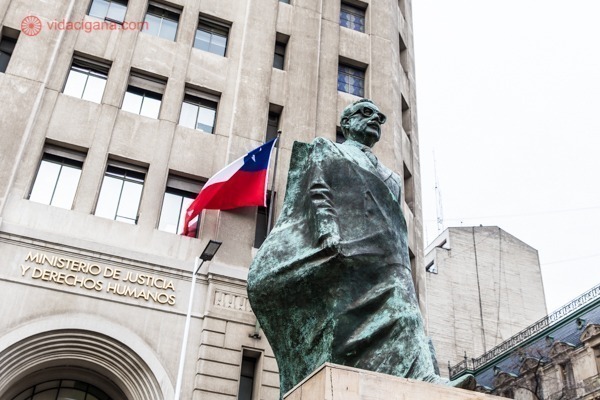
<point x="364" y="122"/>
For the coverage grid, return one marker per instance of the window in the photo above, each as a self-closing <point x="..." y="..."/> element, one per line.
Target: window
<point x="161" y="21"/>
<point x="247" y="375"/>
<point x="144" y="95"/>
<point x="273" y="121"/>
<point x="285" y="1"/>
<point x="280" y="47"/>
<point x="199" y="110"/>
<point x="351" y="80"/>
<point x="211" y="36"/>
<point x="110" y="10"/>
<point x="86" y="79"/>
<point x="121" y="192"/>
<point x="179" y="194"/>
<point x="57" y="177"/>
<point x="352" y="17"/>
<point x="7" y="46"/>
<point x="262" y="220"/>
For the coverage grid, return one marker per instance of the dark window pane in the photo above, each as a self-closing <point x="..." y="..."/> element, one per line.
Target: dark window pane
<point x="7" y="46"/>
<point x="279" y="57"/>
<point x="272" y="126"/>
<point x="247" y="378"/>
<point x="262" y="216"/>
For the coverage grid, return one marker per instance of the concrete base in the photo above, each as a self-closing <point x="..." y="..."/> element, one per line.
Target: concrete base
<point x="333" y="382"/>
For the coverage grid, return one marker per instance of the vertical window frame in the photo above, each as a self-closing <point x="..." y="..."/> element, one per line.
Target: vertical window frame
<point x="250" y="375"/>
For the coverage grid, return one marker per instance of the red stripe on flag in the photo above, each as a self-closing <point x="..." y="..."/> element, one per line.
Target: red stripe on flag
<point x="241" y="190"/>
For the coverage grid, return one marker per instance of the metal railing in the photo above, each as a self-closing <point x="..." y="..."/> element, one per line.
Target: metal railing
<point x="526" y="333"/>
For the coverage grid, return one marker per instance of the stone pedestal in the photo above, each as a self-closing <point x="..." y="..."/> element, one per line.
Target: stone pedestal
<point x="337" y="382"/>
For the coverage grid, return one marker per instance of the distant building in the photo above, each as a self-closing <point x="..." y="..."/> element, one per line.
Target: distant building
<point x="556" y="358"/>
<point x="483" y="286"/>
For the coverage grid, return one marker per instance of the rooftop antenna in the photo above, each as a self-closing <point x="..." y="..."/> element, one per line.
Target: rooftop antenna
<point x="438" y="199"/>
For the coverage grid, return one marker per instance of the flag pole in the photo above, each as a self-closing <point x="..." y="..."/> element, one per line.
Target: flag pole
<point x="256" y="334"/>
<point x="272" y="199"/>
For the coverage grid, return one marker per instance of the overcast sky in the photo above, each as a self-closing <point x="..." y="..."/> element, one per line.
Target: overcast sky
<point x="508" y="99"/>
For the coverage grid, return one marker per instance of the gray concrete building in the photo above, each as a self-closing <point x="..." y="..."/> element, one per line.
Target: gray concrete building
<point x="114" y="113"/>
<point x="483" y="286"/>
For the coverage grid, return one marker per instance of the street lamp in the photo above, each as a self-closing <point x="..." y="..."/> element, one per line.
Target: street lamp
<point x="209" y="252"/>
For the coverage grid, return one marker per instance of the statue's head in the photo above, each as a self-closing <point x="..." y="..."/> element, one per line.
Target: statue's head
<point x="361" y="121"/>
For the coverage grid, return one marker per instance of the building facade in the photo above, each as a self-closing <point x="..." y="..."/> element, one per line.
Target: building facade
<point x="556" y="358"/>
<point x="114" y="113"/>
<point x="483" y="286"/>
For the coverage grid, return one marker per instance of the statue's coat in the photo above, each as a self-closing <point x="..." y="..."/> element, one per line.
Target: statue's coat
<point x="353" y="304"/>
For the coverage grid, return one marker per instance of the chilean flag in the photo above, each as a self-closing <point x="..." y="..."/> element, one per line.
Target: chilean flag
<point x="240" y="184"/>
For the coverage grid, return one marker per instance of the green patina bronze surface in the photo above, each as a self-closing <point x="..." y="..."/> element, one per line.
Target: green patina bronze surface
<point x="332" y="281"/>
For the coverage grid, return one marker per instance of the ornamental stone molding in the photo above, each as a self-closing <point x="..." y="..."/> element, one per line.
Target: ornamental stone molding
<point x="559" y="350"/>
<point x="591" y="335"/>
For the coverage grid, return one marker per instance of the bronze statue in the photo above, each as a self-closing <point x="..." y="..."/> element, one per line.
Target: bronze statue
<point x="332" y="282"/>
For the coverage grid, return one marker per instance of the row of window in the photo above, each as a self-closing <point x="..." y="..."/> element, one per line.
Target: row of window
<point x="87" y="80"/>
<point x="162" y="20"/>
<point x="121" y="191"/>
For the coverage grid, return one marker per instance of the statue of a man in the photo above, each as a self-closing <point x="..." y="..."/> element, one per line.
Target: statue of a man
<point x="332" y="282"/>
